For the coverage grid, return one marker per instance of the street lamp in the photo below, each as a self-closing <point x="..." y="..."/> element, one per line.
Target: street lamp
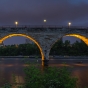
<point x="16" y="23"/>
<point x="44" y="21"/>
<point x="69" y="24"/>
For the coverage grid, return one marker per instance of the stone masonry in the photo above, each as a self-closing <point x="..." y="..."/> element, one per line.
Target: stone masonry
<point x="44" y="36"/>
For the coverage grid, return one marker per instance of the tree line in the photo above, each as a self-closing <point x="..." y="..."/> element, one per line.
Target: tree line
<point x="66" y="48"/>
<point x="59" y="48"/>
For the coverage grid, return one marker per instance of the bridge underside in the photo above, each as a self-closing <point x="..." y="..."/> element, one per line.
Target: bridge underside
<point x="44" y="39"/>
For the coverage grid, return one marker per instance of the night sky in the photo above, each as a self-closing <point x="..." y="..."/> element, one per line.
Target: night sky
<point x="33" y="12"/>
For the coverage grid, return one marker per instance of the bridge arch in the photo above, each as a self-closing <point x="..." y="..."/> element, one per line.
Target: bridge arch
<point x="27" y="36"/>
<point x="81" y="37"/>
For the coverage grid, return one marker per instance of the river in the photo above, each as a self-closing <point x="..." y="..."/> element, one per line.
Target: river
<point x="10" y="66"/>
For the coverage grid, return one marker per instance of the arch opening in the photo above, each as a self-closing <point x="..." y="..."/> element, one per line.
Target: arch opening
<point x="83" y="38"/>
<point x="79" y="37"/>
<point x="27" y="36"/>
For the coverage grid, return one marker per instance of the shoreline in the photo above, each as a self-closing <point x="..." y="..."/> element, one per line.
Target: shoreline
<point x="50" y="57"/>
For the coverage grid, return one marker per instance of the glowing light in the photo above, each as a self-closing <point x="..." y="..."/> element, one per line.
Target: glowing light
<point x="69" y="23"/>
<point x="84" y="39"/>
<point x="44" y="20"/>
<point x="16" y="23"/>
<point x="80" y="37"/>
<point x="11" y="35"/>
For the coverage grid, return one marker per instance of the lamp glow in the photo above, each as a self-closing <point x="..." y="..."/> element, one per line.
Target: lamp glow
<point x="69" y="23"/>
<point x="44" y="20"/>
<point x="16" y="23"/>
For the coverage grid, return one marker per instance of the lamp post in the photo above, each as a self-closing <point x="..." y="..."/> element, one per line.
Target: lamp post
<point x="16" y="23"/>
<point x="69" y="24"/>
<point x="44" y="22"/>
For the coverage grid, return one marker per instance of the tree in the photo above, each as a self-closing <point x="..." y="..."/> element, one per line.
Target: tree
<point x="51" y="77"/>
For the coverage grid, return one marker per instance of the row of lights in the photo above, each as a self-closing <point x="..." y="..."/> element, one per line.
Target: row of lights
<point x="16" y="23"/>
<point x="69" y="24"/>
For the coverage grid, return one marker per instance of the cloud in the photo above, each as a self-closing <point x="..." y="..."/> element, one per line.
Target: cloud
<point x="57" y="12"/>
<point x="34" y="11"/>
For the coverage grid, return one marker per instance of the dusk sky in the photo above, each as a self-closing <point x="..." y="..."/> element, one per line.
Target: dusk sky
<point x="33" y="12"/>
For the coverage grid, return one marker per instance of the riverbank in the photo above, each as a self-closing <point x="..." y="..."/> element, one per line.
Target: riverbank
<point x="50" y="57"/>
<point x="17" y="56"/>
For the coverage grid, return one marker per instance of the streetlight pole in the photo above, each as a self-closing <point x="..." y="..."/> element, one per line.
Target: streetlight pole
<point x="69" y="24"/>
<point x="16" y="23"/>
<point x="44" y="22"/>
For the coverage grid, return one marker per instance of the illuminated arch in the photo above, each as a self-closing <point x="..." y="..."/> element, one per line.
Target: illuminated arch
<point x="74" y="35"/>
<point x="79" y="36"/>
<point x="24" y="35"/>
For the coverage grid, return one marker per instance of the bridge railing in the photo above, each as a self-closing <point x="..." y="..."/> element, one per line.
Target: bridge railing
<point x="43" y="26"/>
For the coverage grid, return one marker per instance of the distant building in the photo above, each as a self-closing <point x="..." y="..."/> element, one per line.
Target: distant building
<point x="2" y="44"/>
<point x="16" y="45"/>
<point x="28" y="41"/>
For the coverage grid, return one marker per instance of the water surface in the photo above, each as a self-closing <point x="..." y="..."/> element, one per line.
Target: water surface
<point x="10" y="66"/>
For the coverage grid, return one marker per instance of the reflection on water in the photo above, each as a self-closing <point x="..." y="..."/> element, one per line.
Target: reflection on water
<point x="9" y="66"/>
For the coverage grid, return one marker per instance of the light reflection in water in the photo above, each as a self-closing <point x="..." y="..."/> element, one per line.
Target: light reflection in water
<point x="15" y="66"/>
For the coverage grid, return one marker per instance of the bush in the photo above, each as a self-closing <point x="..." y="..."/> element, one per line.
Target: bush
<point x="50" y="77"/>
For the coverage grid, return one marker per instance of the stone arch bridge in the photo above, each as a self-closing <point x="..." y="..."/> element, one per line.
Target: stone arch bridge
<point x="44" y="36"/>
